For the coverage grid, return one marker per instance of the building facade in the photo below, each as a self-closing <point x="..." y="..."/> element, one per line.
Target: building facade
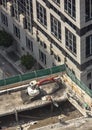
<point x="54" y="32"/>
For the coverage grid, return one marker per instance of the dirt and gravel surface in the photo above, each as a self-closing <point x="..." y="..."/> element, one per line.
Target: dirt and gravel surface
<point x="81" y="123"/>
<point x="42" y="116"/>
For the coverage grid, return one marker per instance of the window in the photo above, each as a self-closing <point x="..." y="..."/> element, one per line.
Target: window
<point x="28" y="24"/>
<point x="4" y="19"/>
<point x="70" y="8"/>
<point x="4" y="3"/>
<point x="42" y="43"/>
<point x="42" y="57"/>
<point x="16" y="31"/>
<point x="57" y="1"/>
<point x="70" y="40"/>
<point x="38" y="39"/>
<point x="53" y="64"/>
<point x="16" y="9"/>
<point x="58" y="59"/>
<point x="55" y="27"/>
<point x="89" y="46"/>
<point x="41" y="14"/>
<point x="89" y="76"/>
<point x="23" y="7"/>
<point x="29" y="44"/>
<point x="88" y="9"/>
<point x="90" y="86"/>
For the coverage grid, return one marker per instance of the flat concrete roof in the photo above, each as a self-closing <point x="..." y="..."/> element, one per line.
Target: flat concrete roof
<point x="20" y="100"/>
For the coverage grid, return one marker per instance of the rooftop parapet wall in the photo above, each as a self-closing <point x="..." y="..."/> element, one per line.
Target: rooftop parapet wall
<point x="46" y="72"/>
<point x="76" y="91"/>
<point x="80" y="84"/>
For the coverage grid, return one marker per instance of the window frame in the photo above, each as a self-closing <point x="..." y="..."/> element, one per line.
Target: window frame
<point x="88" y="46"/>
<point x="55" y="27"/>
<point x="70" y="8"/>
<point x="70" y="42"/>
<point x="29" y="44"/>
<point x="4" y="3"/>
<point x="42" y="57"/>
<point x="88" y="10"/>
<point x="41" y="14"/>
<point x="89" y="75"/>
<point x="16" y="31"/>
<point x="4" y="19"/>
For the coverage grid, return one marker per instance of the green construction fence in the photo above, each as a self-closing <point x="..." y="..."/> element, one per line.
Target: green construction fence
<point x="31" y="75"/>
<point x="45" y="72"/>
<point x="78" y="82"/>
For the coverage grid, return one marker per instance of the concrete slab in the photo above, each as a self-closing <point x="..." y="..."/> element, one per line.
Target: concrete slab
<point x="20" y="101"/>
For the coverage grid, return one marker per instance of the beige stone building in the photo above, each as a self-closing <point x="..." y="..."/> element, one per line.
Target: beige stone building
<point x="53" y="31"/>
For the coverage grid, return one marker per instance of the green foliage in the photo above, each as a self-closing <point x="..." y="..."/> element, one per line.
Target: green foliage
<point x="28" y="61"/>
<point x="5" y="39"/>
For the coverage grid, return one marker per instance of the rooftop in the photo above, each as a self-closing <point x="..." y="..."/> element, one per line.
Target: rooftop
<point x="13" y="92"/>
<point x="21" y="101"/>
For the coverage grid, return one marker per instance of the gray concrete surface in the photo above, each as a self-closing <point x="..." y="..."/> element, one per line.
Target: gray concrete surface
<point x="81" y="123"/>
<point x="11" y="66"/>
<point x="7" y="65"/>
<point x="21" y="101"/>
<point x="7" y="68"/>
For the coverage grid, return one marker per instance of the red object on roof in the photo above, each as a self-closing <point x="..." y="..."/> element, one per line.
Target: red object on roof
<point x="46" y="80"/>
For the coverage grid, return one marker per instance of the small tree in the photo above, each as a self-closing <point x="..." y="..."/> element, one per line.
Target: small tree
<point x="28" y="61"/>
<point x="5" y="39"/>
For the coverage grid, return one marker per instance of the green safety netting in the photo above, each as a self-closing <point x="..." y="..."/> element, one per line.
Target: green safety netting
<point x="34" y="74"/>
<point x="11" y="80"/>
<point x="79" y="83"/>
<point x="2" y="82"/>
<point x="27" y="76"/>
<point x="44" y="72"/>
